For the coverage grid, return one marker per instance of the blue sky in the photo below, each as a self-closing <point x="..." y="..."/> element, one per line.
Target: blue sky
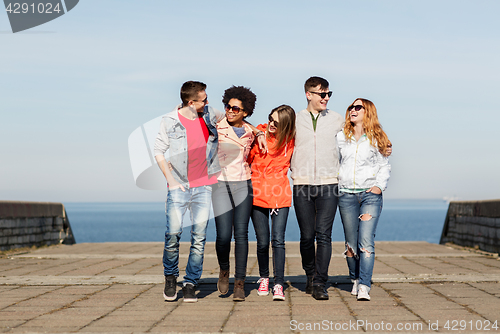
<point x="74" y="89"/>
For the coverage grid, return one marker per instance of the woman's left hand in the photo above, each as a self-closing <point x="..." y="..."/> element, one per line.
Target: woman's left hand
<point x="376" y="190"/>
<point x="261" y="140"/>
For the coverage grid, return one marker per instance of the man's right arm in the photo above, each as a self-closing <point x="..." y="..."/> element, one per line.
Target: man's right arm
<point x="172" y="182"/>
<point x="161" y="146"/>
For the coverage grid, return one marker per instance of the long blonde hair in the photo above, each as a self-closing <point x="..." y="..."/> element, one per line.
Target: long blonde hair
<point x="371" y="124"/>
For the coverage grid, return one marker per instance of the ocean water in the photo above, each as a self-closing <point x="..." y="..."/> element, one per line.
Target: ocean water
<point x="401" y="220"/>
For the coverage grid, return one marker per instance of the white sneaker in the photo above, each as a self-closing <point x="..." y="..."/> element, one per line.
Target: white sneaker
<point x="355" y="283"/>
<point x="363" y="291"/>
<point x="263" y="286"/>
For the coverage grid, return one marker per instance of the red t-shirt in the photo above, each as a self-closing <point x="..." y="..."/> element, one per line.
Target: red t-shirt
<point x="197" y="137"/>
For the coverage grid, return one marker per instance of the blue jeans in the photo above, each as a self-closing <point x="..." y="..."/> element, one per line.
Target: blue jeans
<point x="232" y="208"/>
<point x="260" y="219"/>
<point x="197" y="200"/>
<point x="315" y="207"/>
<point x="360" y="213"/>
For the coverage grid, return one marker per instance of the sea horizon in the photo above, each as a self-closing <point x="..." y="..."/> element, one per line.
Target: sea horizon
<point x="401" y="220"/>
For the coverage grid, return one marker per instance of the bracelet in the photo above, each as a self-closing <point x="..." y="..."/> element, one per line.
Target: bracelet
<point x="260" y="133"/>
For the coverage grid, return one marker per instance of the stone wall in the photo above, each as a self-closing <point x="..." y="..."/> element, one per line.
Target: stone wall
<point x="26" y="224"/>
<point x="473" y="224"/>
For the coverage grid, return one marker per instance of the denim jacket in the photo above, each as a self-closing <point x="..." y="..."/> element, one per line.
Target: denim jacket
<point x="172" y="137"/>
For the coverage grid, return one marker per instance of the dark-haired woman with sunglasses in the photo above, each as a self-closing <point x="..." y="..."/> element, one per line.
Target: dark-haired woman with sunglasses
<point x="232" y="196"/>
<point x="363" y="175"/>
<point x="272" y="195"/>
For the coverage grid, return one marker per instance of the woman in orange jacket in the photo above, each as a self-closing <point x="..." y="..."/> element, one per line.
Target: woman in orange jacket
<point x="272" y="195"/>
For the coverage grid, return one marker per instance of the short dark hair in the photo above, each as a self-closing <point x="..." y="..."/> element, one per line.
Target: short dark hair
<point x="190" y="90"/>
<point x="315" y="81"/>
<point x="244" y="94"/>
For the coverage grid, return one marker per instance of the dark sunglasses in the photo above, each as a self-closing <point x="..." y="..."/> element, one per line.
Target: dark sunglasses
<point x="357" y="108"/>
<point x="203" y="101"/>
<point x="323" y="94"/>
<point x="234" y="109"/>
<point x="271" y="120"/>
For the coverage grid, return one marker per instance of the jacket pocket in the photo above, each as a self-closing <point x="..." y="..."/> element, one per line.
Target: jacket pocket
<point x="175" y="135"/>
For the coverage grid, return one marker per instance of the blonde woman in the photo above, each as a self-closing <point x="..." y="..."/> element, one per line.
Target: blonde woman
<point x="363" y="175"/>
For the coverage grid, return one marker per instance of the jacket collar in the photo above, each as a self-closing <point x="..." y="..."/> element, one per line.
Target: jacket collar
<point x="174" y="114"/>
<point x="229" y="132"/>
<point x="224" y="124"/>
<point x="322" y="113"/>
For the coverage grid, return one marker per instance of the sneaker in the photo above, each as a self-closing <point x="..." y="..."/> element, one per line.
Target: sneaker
<point x="355" y="283"/>
<point x="278" y="292"/>
<point x="363" y="292"/>
<point x="170" y="291"/>
<point x="263" y="286"/>
<point x="188" y="291"/>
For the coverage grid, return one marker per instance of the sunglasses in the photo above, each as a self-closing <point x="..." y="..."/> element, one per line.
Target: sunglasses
<point x="271" y="120"/>
<point x="323" y="94"/>
<point x="234" y="109"/>
<point x="202" y="101"/>
<point x="357" y="108"/>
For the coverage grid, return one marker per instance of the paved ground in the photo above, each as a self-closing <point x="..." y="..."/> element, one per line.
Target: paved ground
<point x="117" y="287"/>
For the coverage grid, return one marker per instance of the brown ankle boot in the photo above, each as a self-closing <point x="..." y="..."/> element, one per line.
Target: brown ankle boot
<point x="223" y="282"/>
<point x="239" y="290"/>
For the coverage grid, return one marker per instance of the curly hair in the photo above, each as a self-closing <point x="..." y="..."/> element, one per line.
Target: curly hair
<point x="371" y="124"/>
<point x="244" y="94"/>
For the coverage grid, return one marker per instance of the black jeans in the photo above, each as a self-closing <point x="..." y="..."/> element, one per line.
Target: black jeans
<point x="315" y="207"/>
<point x="260" y="220"/>
<point x="232" y="203"/>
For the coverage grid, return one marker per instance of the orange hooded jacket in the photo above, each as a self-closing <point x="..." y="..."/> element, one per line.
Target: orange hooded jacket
<point x="271" y="186"/>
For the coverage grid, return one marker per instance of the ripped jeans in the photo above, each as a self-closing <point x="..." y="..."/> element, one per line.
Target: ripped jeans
<point x="197" y="200"/>
<point x="360" y="213"/>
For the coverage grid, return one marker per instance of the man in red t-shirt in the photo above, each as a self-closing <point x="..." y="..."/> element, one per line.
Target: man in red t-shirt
<point x="190" y="135"/>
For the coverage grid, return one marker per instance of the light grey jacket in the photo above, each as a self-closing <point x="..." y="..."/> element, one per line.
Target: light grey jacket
<point x="315" y="158"/>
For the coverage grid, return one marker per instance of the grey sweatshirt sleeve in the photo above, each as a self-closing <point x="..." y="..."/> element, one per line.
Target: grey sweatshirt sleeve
<point x="161" y="143"/>
<point x="340" y="143"/>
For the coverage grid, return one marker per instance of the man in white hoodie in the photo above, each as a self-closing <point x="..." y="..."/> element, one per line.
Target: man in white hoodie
<point x="314" y="166"/>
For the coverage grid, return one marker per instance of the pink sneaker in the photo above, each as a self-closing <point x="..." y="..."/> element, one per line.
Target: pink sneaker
<point x="263" y="287"/>
<point x="278" y="292"/>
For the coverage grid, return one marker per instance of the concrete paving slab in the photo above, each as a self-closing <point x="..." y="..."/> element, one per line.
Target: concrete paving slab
<point x="117" y="287"/>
